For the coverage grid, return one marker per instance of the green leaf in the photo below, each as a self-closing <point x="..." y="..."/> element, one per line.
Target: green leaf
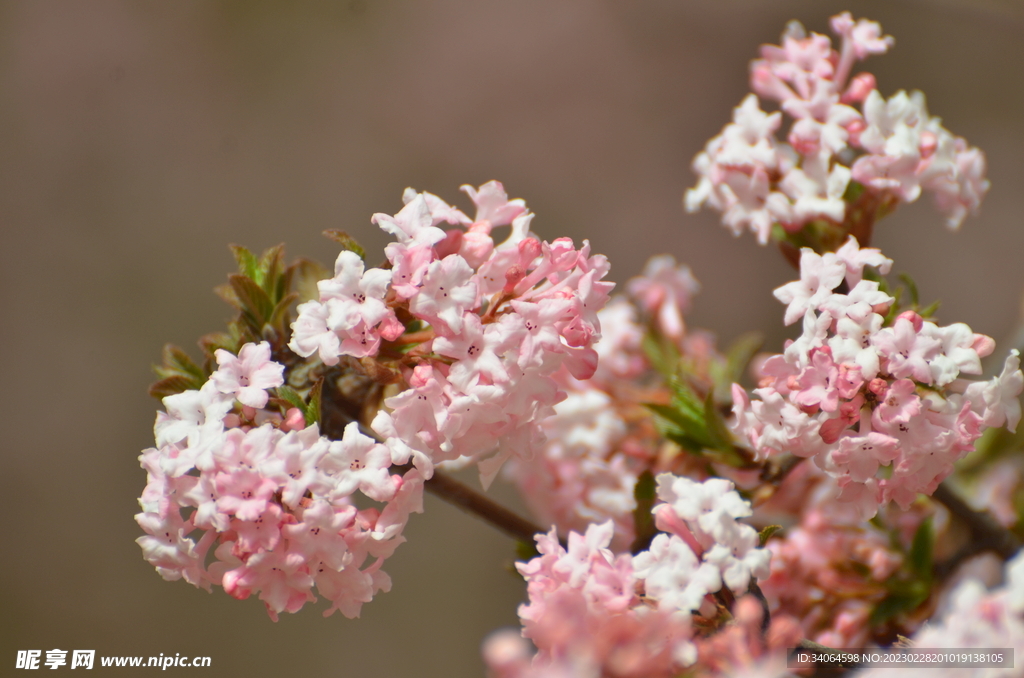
<point x="230" y="341"/>
<point x="894" y="310"/>
<point x="908" y="597"/>
<point x="686" y="419"/>
<point x="292" y="396"/>
<point x="739" y="355"/>
<point x="646" y="488"/>
<point x="929" y="310"/>
<point x="173" y="385"/>
<point x="269" y="269"/>
<point x="669" y="413"/>
<point x="177" y="362"/>
<point x="526" y="550"/>
<point x="279" y="316"/>
<point x="645" y="492"/>
<point x="684" y="441"/>
<point x="911" y="287"/>
<point x="178" y="373"/>
<point x="921" y="551"/>
<point x="766" y="533"/>
<point x="346" y="241"/>
<point x="718" y="434"/>
<point x="687" y="401"/>
<point x="312" y="411"/>
<point x="256" y="305"/>
<point x="247" y="263"/>
<point x="854" y="189"/>
<point x="302" y="278"/>
<point x="662" y="354"/>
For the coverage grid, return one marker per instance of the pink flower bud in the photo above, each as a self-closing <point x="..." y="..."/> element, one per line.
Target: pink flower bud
<point x="929" y="142"/>
<point x="293" y="420"/>
<point x="748" y="612"/>
<point x="878" y="386"/>
<point x="854" y="129"/>
<point x="983" y="344"/>
<point x="391" y="328"/>
<point x="831" y="429"/>
<point x="421" y="376"/>
<point x="860" y="86"/>
<point x="915" y="320"/>
<point x="513" y="276"/>
<point x="451" y="243"/>
<point x="529" y="249"/>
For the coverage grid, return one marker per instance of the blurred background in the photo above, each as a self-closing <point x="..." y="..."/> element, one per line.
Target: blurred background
<point x="139" y="139"/>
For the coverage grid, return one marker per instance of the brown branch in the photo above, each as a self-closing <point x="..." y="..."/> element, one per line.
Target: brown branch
<point x="333" y="422"/>
<point x="766" y="621"/>
<point x="986" y="533"/>
<point x="466" y="498"/>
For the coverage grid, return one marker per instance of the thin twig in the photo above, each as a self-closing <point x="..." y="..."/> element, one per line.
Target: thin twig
<point x="466" y="498"/>
<point x="986" y="533"/>
<point x="333" y="421"/>
<point x="766" y="621"/>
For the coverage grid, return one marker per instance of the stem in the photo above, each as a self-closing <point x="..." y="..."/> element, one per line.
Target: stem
<point x="466" y="498"/>
<point x="986" y="533"/>
<point x="333" y="422"/>
<point x="766" y="621"/>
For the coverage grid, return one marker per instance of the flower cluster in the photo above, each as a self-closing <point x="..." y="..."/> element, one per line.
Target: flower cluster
<point x="977" y="618"/>
<point x="891" y="147"/>
<point x="705" y="544"/>
<point x="270" y="495"/>
<point x="581" y="476"/>
<point x="585" y="615"/>
<point x="476" y="328"/>
<point x="601" y="438"/>
<point x="859" y="393"/>
<point x="829" y="570"/>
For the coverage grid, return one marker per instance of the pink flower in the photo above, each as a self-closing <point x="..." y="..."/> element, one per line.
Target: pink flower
<point x="248" y="375"/>
<point x="414" y="224"/>
<point x="674" y="576"/>
<point x="358" y="462"/>
<point x="446" y="292"/>
<point x="493" y="205"/>
<point x="819" y="275"/>
<point x="318" y="537"/>
<point x="354" y="294"/>
<point x="478" y="351"/>
<point x="819" y="383"/>
<point x="664" y="291"/>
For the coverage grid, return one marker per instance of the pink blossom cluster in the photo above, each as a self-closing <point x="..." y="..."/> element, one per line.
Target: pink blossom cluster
<point x="892" y="147"/>
<point x="977" y="618"/>
<point x="703" y="545"/>
<point x="494" y="322"/>
<point x="269" y="495"/>
<point x="585" y="615"/>
<point x="860" y="395"/>
<point x="580" y="476"/>
<point x="744" y="648"/>
<point x="584" y="612"/>
<point x="828" y="570"/>
<point x="600" y="438"/>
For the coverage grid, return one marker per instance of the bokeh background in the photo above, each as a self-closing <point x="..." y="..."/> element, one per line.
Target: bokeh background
<point x="139" y="139"/>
